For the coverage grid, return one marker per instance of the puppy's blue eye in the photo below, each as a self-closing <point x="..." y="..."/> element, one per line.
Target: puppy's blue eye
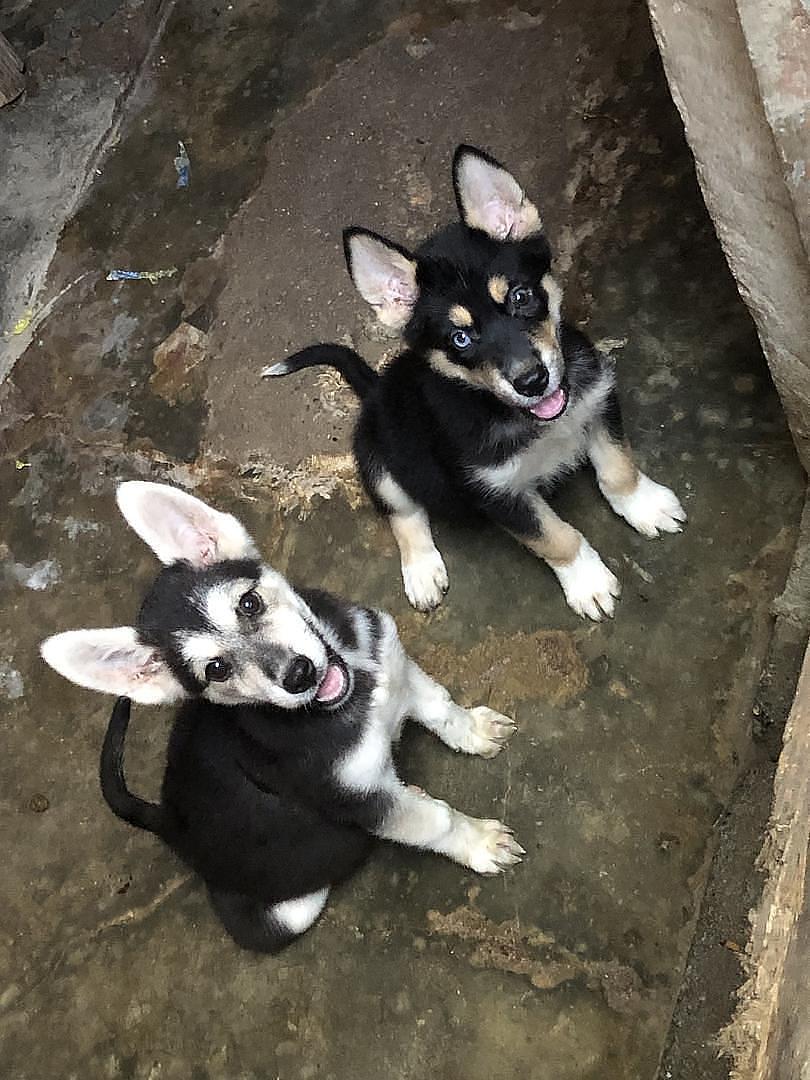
<point x="460" y="339"/>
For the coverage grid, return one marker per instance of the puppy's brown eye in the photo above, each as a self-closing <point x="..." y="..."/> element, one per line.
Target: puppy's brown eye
<point x="217" y="670"/>
<point x="520" y="296"/>
<point x="250" y="603"/>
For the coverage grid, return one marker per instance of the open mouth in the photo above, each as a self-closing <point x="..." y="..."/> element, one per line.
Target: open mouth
<point x="552" y="405"/>
<point x="335" y="685"/>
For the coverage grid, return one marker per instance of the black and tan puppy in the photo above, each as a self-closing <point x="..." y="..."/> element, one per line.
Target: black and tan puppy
<point x="494" y="400"/>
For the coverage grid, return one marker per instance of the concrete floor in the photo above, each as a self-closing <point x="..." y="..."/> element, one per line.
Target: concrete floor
<point x="633" y="733"/>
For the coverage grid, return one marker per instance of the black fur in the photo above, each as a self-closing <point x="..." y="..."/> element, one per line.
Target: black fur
<point x="357" y="373"/>
<point x="444" y="428"/>
<point x="130" y="808"/>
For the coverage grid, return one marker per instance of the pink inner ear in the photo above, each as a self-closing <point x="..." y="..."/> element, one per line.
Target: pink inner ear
<point x="499" y="218"/>
<point x="199" y="546"/>
<point x="400" y="292"/>
<point x="207" y="551"/>
<point x="148" y="668"/>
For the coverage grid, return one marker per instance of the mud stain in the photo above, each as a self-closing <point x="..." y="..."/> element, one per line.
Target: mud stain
<point x="517" y="949"/>
<point x="542" y="665"/>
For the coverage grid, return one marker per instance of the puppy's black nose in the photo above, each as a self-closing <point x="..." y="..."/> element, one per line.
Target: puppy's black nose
<point x="532" y="383"/>
<point x="300" y="676"/>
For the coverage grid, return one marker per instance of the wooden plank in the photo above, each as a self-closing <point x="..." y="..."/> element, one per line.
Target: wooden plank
<point x="756" y="1036"/>
<point x="12" y="80"/>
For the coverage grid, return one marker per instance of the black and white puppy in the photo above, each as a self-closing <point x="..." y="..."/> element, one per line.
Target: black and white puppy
<point x="279" y="768"/>
<point x="494" y="399"/>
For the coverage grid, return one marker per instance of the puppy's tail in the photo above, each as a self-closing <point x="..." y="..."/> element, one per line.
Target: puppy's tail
<point x="135" y="811"/>
<point x="350" y="364"/>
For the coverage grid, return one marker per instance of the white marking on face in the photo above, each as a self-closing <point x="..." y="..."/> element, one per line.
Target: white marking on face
<point x="220" y="603"/>
<point x="199" y="649"/>
<point x="286" y="626"/>
<point x="258" y="649"/>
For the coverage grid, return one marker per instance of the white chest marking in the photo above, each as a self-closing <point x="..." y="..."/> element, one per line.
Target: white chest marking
<point x="563" y="446"/>
<point x="366" y="764"/>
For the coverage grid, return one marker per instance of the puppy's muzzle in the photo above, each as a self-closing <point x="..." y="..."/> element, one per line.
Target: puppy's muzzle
<point x="532" y="383"/>
<point x="300" y="676"/>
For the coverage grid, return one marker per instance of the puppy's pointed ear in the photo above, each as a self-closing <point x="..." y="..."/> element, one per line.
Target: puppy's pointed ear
<point x="490" y="199"/>
<point x="384" y="274"/>
<point x="177" y="526"/>
<point x="113" y="661"/>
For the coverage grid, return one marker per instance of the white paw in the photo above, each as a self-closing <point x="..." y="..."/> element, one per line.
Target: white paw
<point x="491" y="847"/>
<point x="590" y="588"/>
<point x="425" y="579"/>
<point x="488" y="732"/>
<point x="650" y="508"/>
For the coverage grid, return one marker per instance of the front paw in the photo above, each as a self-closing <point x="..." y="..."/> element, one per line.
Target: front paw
<point x="490" y="847"/>
<point x="650" y="508"/>
<point x="590" y="588"/>
<point x="425" y="579"/>
<point x="488" y="731"/>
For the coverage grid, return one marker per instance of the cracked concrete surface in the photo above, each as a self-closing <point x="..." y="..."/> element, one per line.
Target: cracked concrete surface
<point x="81" y="61"/>
<point x="632" y="733"/>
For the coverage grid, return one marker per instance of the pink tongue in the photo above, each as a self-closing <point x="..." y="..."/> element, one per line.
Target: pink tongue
<point x="549" y="406"/>
<point x="333" y="685"/>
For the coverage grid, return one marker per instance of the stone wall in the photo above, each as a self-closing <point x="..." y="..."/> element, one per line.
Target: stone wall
<point x="739" y="71"/>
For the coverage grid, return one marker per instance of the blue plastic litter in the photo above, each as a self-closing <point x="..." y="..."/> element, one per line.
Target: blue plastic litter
<point x="141" y="275"/>
<point x="183" y="166"/>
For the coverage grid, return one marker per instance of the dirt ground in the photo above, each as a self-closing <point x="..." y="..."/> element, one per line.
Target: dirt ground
<point x="636" y="736"/>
